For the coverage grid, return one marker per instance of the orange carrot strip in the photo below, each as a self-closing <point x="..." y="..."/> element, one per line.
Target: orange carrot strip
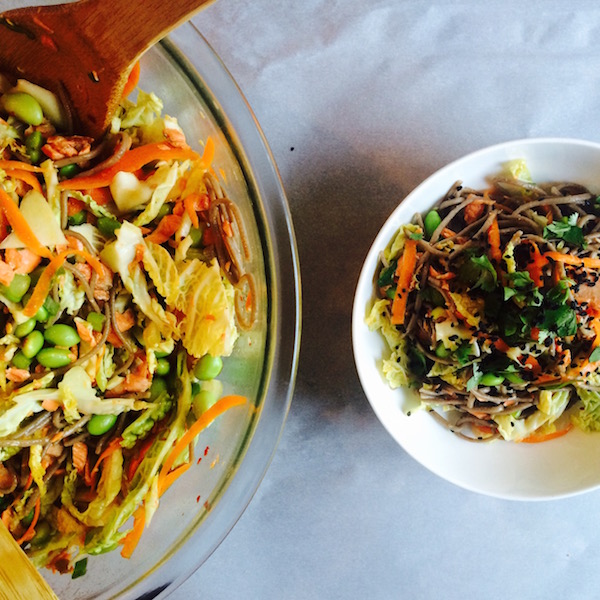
<point x="27" y="176"/>
<point x="168" y="225"/>
<point x="131" y="161"/>
<point x="535" y="268"/>
<point x="21" y="166"/>
<point x="43" y="285"/>
<point x="206" y="418"/>
<point x="21" y="226"/>
<point x="114" y="444"/>
<point x="493" y="233"/>
<point x="209" y="152"/>
<point x="404" y="272"/>
<point x="569" y="259"/>
<point x="31" y="529"/>
<point x="132" y="80"/>
<point x="167" y="481"/>
<point x="190" y="208"/>
<point x="130" y="541"/>
<point x="536" y="438"/>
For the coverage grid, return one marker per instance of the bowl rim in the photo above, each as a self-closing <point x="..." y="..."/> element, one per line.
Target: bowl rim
<point x="366" y="281"/>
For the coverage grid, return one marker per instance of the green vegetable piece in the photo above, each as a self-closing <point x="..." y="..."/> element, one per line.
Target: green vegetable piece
<point x="62" y="335"/>
<point x="41" y="316"/>
<point x="96" y="320"/>
<point x="203" y="400"/>
<point x="20" y="361"/>
<point x="33" y="343"/>
<point x="28" y="518"/>
<point x="51" y="305"/>
<point x="80" y="568"/>
<point x="34" y="141"/>
<point x="196" y="234"/>
<point x="208" y="367"/>
<point x="566" y="229"/>
<point x="491" y="380"/>
<point x="101" y="424"/>
<point x="17" y="289"/>
<point x="158" y="387"/>
<point x="24" y="107"/>
<point x="162" y="367"/>
<point x="54" y="358"/>
<point x="514" y="378"/>
<point x="386" y="277"/>
<point x="441" y="351"/>
<point x="78" y="218"/>
<point x="68" y="171"/>
<point x="35" y="156"/>
<point x="431" y="222"/>
<point x="25" y="328"/>
<point x="108" y="226"/>
<point x="43" y="531"/>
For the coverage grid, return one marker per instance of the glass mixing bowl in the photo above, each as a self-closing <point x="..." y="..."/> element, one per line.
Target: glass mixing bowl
<point x="199" y="510"/>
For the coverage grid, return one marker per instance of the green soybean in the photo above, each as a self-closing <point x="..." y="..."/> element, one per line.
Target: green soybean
<point x="34" y="141"/>
<point x="41" y="316"/>
<point x="431" y="222"/>
<point x="33" y="343"/>
<point x="51" y="305"/>
<point x="96" y="320"/>
<point x="17" y="289"/>
<point x="35" y="156"/>
<point x="62" y="335"/>
<point x="162" y="367"/>
<point x="24" y="107"/>
<point x="77" y="218"/>
<point x="203" y="400"/>
<point x="107" y="226"/>
<point x="68" y="171"/>
<point x="25" y="328"/>
<point x="101" y="424"/>
<point x="158" y="387"/>
<point x="208" y="367"/>
<point x="491" y="380"/>
<point x="20" y="361"/>
<point x="54" y="358"/>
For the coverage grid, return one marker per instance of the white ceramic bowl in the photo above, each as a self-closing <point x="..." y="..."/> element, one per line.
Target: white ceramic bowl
<point x="561" y="467"/>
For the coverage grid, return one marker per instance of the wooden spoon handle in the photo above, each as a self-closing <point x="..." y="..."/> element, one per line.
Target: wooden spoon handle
<point x="19" y="579"/>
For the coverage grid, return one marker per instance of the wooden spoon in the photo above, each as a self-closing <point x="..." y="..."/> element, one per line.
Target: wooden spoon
<point x="84" y="51"/>
<point x="19" y="579"/>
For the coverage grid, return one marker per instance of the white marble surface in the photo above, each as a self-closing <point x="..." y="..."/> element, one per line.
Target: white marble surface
<point x="360" y="101"/>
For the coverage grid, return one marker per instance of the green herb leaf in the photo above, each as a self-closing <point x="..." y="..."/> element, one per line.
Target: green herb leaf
<point x="561" y="320"/>
<point x="474" y="380"/>
<point x="487" y="278"/>
<point x="80" y="568"/>
<point x="566" y="229"/>
<point x="595" y="355"/>
<point x="414" y="235"/>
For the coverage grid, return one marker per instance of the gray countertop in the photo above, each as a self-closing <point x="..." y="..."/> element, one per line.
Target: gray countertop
<point x="360" y="101"/>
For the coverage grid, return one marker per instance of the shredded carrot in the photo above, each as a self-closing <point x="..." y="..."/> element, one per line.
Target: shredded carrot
<point x="100" y="195"/>
<point x="404" y="272"/>
<point x="209" y="152"/>
<point x="43" y="285"/>
<point x="31" y="529"/>
<point x="193" y="203"/>
<point x="130" y="541"/>
<point x="114" y="445"/>
<point x="21" y="166"/>
<point x="21" y="226"/>
<point x="206" y="418"/>
<point x="74" y="206"/>
<point x="536" y="438"/>
<point x="4" y="225"/>
<point x="167" y="481"/>
<point x="131" y="161"/>
<point x="139" y="455"/>
<point x="447" y="233"/>
<point x="569" y="259"/>
<point x="27" y="176"/>
<point x="537" y="264"/>
<point x="533" y="365"/>
<point x="493" y="234"/>
<point x="167" y="226"/>
<point x="80" y="454"/>
<point x="132" y="80"/>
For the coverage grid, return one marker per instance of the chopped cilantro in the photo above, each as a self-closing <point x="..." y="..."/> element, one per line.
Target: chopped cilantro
<point x="479" y="272"/>
<point x="80" y="568"/>
<point x="562" y="321"/>
<point x="595" y="355"/>
<point x="416" y="235"/>
<point x="566" y="229"/>
<point x="386" y="276"/>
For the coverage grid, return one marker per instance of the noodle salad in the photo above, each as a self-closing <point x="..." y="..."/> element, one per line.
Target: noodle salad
<point x="489" y="305"/>
<point x="123" y="283"/>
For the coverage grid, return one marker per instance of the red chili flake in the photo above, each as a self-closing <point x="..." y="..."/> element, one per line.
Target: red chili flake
<point x="207" y="505"/>
<point x="197" y="498"/>
<point x="198" y="461"/>
<point x="206" y="450"/>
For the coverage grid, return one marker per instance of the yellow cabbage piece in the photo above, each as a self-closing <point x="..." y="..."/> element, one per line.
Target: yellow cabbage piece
<point x="162" y="270"/>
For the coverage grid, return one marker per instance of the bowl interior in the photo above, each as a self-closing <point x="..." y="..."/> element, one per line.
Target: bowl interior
<point x="561" y="467"/>
<point x="232" y="455"/>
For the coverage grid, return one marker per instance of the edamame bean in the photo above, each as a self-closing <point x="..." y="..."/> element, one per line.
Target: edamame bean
<point x="20" y="361"/>
<point x="203" y="400"/>
<point x="18" y="287"/>
<point x="51" y="305"/>
<point x="25" y="328"/>
<point x="68" y="171"/>
<point x="101" y="424"/>
<point x="491" y="380"/>
<point x="77" y="218"/>
<point x="431" y="222"/>
<point x="33" y="343"/>
<point x="158" y="387"/>
<point x="34" y="141"/>
<point x="24" y="107"/>
<point x="96" y="320"/>
<point x="208" y="367"/>
<point x="62" y="335"/>
<point x="41" y="316"/>
<point x="107" y="226"/>
<point x="54" y="358"/>
<point x="35" y="156"/>
<point x="162" y="367"/>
